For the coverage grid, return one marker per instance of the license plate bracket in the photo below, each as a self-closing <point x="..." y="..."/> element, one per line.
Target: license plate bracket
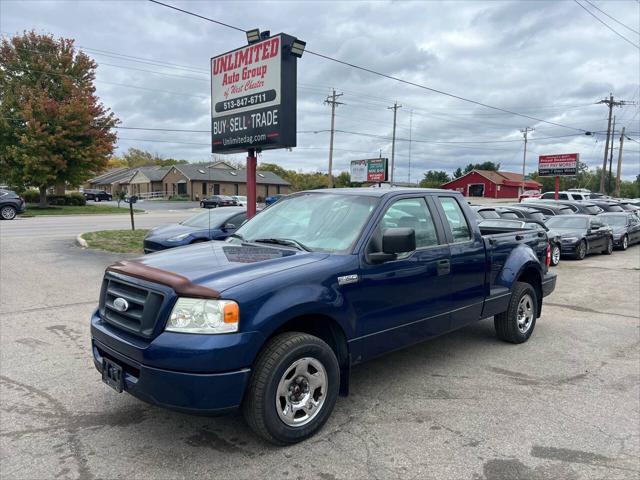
<point x="112" y="375"/>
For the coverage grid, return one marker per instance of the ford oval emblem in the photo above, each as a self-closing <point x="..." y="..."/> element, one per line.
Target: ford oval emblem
<point x="120" y="304"/>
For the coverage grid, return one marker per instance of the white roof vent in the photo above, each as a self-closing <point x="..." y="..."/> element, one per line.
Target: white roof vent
<point x="233" y="173"/>
<point x="261" y="175"/>
<point x="201" y="171"/>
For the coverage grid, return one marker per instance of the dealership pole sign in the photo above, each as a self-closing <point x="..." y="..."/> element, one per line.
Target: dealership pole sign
<point x="561" y="165"/>
<point x="253" y="97"/>
<point x="370" y="170"/>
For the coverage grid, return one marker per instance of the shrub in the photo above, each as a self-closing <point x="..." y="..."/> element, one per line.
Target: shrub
<point x="75" y="198"/>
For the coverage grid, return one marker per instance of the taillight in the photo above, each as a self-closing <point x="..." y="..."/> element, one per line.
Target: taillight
<point x="548" y="262"/>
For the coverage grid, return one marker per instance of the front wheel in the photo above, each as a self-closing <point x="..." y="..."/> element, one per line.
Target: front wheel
<point x="97" y="199"/>
<point x="624" y="244"/>
<point x="517" y="323"/>
<point x="581" y="251"/>
<point x="8" y="212"/>
<point x="293" y="388"/>
<point x="201" y="204"/>
<point x="609" y="249"/>
<point x="555" y="255"/>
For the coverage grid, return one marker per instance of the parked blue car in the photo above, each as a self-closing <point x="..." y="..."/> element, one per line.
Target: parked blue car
<point x="273" y="199"/>
<point x="215" y="224"/>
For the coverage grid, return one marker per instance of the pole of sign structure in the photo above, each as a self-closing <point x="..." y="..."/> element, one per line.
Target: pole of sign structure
<point x="133" y="225"/>
<point x="617" y="191"/>
<point x="251" y="182"/>
<point x="395" y="108"/>
<point x="557" y="187"/>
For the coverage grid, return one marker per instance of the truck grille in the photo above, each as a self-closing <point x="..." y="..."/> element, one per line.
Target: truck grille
<point x="143" y="306"/>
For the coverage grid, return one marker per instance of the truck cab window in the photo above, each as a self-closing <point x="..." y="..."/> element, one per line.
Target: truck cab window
<point x="456" y="219"/>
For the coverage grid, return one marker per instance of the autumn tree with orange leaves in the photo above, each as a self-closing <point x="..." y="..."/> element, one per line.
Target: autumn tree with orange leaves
<point x="53" y="128"/>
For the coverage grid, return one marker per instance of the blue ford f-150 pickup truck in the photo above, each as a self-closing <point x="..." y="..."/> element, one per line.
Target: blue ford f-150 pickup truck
<point x="272" y="319"/>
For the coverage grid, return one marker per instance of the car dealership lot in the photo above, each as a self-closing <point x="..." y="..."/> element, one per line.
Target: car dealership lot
<point x="563" y="405"/>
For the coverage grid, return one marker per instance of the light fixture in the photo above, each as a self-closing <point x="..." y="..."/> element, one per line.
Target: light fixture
<point x="297" y="48"/>
<point x="253" y="35"/>
<point x="265" y="34"/>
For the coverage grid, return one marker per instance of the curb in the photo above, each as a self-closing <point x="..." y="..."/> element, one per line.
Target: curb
<point x="81" y="242"/>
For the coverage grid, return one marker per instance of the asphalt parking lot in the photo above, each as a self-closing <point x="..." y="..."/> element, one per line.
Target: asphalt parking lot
<point x="565" y="405"/>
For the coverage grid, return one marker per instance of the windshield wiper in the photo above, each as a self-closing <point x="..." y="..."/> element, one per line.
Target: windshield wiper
<point x="284" y="241"/>
<point x="236" y="235"/>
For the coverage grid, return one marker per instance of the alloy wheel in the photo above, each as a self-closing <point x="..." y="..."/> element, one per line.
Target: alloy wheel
<point x="8" y="213"/>
<point x="555" y="255"/>
<point x="301" y="392"/>
<point x="525" y="313"/>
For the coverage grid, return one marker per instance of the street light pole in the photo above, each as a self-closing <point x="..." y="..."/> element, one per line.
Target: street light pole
<point x="525" y="132"/>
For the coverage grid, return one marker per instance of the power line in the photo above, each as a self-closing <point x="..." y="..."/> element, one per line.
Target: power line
<point x="384" y="75"/>
<point x="612" y="18"/>
<point x="605" y="24"/>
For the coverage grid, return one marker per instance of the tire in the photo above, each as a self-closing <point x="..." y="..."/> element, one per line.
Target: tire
<point x="609" y="248"/>
<point x="294" y="355"/>
<point x="8" y="212"/>
<point x="201" y="204"/>
<point x="96" y="199"/>
<point x="581" y="251"/>
<point x="624" y="243"/>
<point x="555" y="255"/>
<point x="517" y="323"/>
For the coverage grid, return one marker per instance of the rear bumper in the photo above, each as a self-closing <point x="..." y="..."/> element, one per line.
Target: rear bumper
<point x="201" y="393"/>
<point x="549" y="283"/>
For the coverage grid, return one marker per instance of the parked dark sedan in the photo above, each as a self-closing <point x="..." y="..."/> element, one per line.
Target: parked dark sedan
<point x="273" y="199"/>
<point x="521" y="212"/>
<point x="582" y="235"/>
<point x="625" y="227"/>
<point x="11" y="204"/>
<point x="209" y="225"/>
<point x="216" y="201"/>
<point x="550" y="210"/>
<point x="607" y="205"/>
<point x="96" y="195"/>
<point x="581" y="207"/>
<point x="484" y="212"/>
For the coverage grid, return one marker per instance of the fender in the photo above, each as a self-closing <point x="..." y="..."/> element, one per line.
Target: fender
<point x="521" y="258"/>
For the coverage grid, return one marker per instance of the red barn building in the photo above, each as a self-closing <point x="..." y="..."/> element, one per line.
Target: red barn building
<point x="486" y="183"/>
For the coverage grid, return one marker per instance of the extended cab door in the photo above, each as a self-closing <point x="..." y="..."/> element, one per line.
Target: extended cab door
<point x="403" y="301"/>
<point x="468" y="261"/>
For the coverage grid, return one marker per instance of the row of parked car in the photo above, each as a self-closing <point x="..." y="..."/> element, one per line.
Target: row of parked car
<point x="575" y="228"/>
<point x="216" y="201"/>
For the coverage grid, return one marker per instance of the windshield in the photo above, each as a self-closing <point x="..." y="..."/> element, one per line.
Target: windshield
<point x="577" y="223"/>
<point x="537" y="216"/>
<point x="319" y="221"/>
<point x="615" y="208"/>
<point x="488" y="214"/>
<point x="212" y="217"/>
<point x="614" y="220"/>
<point x="593" y="209"/>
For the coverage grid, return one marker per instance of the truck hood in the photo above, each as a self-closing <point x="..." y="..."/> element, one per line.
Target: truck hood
<point x="222" y="265"/>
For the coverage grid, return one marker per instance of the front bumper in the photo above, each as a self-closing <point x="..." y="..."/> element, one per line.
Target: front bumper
<point x="549" y="283"/>
<point x="569" y="248"/>
<point x="202" y="393"/>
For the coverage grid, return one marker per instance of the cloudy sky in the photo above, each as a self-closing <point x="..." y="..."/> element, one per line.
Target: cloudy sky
<point x="546" y="59"/>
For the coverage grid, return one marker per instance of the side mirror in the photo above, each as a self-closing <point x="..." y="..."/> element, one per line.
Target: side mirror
<point x="229" y="226"/>
<point x="395" y="241"/>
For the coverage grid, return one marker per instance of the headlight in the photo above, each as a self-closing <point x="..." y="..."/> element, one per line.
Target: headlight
<point x="569" y="239"/>
<point x="196" y="315"/>
<point x="178" y="238"/>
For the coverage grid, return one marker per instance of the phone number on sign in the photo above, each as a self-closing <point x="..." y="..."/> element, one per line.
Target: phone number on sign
<point x="246" y="101"/>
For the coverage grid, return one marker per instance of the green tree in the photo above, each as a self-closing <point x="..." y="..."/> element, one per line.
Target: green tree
<point x="481" y="166"/>
<point x="136" y="157"/>
<point x="342" y="180"/>
<point x="53" y="129"/>
<point x="458" y="173"/>
<point x="434" y="178"/>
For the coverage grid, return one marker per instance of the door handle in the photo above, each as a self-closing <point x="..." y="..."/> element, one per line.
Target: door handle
<point x="444" y="267"/>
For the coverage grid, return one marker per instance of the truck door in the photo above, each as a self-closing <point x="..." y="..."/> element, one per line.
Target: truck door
<point x="401" y="302"/>
<point x="468" y="263"/>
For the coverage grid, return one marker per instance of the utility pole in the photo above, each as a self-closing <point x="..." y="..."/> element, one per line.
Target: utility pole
<point x="331" y="100"/>
<point x="610" y="102"/>
<point x="617" y="191"/>
<point x="410" y="125"/>
<point x="525" y="133"/>
<point x="395" y="108"/>
<point x="613" y="133"/>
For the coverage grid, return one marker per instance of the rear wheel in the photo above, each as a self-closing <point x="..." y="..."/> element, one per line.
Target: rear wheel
<point x="8" y="212"/>
<point x="555" y="255"/>
<point x="517" y="323"/>
<point x="624" y="243"/>
<point x="293" y="388"/>
<point x="96" y="199"/>
<point x="609" y="248"/>
<point x="581" y="251"/>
